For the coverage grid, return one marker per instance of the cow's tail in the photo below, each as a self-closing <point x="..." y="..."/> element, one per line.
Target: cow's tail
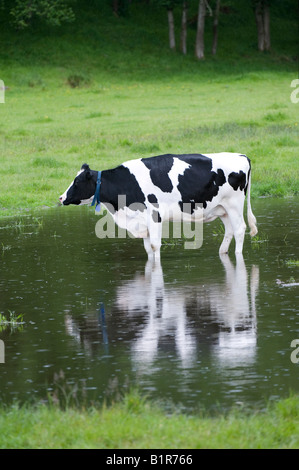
<point x="250" y="217"/>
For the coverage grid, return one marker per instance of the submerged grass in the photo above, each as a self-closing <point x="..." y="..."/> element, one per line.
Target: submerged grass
<point x="137" y="423"/>
<point x="11" y="321"/>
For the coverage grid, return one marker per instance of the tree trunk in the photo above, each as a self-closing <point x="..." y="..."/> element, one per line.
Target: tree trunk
<point x="267" y="40"/>
<point x="259" y="24"/>
<point x="171" y="29"/>
<point x="115" y="7"/>
<point x="199" y="44"/>
<point x="184" y="28"/>
<point x="262" y="17"/>
<point x="215" y="27"/>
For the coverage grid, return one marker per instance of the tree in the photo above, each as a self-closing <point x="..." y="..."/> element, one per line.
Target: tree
<point x="120" y="7"/>
<point x="215" y="27"/>
<point x="54" y="12"/>
<point x="171" y="28"/>
<point x="199" y="41"/>
<point x="184" y="27"/>
<point x="170" y="5"/>
<point x="203" y="8"/>
<point x="262" y="18"/>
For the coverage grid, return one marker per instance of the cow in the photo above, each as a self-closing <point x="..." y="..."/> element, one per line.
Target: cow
<point x="150" y="191"/>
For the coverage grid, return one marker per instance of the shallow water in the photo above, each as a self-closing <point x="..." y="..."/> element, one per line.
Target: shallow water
<point x="197" y="331"/>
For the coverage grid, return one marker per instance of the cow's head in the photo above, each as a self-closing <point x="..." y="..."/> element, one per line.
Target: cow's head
<point x="82" y="189"/>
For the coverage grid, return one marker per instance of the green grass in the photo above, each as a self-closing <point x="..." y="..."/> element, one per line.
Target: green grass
<point x="105" y="90"/>
<point x="48" y="134"/>
<point x="136" y="423"/>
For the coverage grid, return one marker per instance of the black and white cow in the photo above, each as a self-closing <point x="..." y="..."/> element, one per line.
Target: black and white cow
<point x="177" y="187"/>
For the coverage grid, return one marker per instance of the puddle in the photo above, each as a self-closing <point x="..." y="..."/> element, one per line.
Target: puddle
<point x="197" y="331"/>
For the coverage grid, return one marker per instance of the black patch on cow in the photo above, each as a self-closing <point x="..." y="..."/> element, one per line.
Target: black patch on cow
<point x="159" y="168"/>
<point x="121" y="182"/>
<point x="152" y="199"/>
<point x="219" y="177"/>
<point x="237" y="180"/>
<point x="199" y="184"/>
<point x="156" y="217"/>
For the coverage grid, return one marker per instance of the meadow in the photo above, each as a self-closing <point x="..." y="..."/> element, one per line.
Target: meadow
<point x="49" y="134"/>
<point x="76" y="97"/>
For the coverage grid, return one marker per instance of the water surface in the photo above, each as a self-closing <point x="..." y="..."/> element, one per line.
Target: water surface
<point x="197" y="331"/>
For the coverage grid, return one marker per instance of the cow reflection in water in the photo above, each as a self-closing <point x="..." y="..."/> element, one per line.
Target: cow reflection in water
<point x="178" y="320"/>
<point x="186" y="320"/>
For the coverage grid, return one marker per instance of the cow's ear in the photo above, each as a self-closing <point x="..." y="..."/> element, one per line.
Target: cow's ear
<point x="85" y="167"/>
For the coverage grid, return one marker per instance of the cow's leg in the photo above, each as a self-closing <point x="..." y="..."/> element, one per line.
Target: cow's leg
<point x="148" y="248"/>
<point x="235" y="214"/>
<point x="152" y="246"/>
<point x="228" y="235"/>
<point x="155" y="237"/>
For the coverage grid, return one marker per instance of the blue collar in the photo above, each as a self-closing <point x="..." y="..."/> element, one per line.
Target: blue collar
<point x="96" y="199"/>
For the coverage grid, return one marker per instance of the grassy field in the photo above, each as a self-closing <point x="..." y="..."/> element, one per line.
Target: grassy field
<point x="79" y="95"/>
<point x="136" y="423"/>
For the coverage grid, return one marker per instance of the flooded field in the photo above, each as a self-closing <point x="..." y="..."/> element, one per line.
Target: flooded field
<point x="197" y="331"/>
